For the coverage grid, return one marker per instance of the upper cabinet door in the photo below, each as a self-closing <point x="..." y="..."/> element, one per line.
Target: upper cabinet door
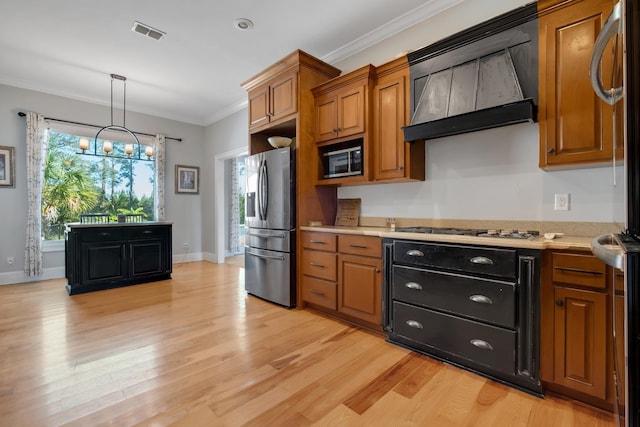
<point x="576" y="127"/>
<point x="326" y="118"/>
<point x="284" y="97"/>
<point x="394" y="160"/>
<point x="259" y="106"/>
<point x="274" y="101"/>
<point x="340" y="113"/>
<point x="388" y="119"/>
<point x="351" y="112"/>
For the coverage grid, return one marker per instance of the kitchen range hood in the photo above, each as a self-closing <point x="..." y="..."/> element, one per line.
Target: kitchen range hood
<point x="480" y="78"/>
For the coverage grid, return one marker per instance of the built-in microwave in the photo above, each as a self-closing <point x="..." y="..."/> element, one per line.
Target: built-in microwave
<point x="342" y="162"/>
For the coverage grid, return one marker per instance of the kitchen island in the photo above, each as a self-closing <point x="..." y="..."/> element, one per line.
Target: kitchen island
<point x="103" y="256"/>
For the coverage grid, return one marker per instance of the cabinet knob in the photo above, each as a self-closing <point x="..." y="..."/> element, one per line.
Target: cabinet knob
<point x="551" y="150"/>
<point x="560" y="303"/>
<point x="377" y="270"/>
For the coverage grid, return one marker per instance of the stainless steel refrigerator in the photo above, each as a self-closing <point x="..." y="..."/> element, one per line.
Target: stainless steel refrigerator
<point x="622" y="249"/>
<point x="270" y="220"/>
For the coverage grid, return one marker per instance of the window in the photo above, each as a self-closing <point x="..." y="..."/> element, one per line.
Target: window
<point x="76" y="183"/>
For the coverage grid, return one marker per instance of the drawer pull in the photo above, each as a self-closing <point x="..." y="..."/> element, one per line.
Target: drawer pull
<point x="413" y="285"/>
<point x="313" y="264"/>
<point x="105" y="234"/>
<point x="358" y="246"/>
<point x="148" y="231"/>
<point x="481" y="299"/>
<point x="415" y="252"/>
<point x="481" y="260"/>
<point x="578" y="270"/>
<point x="414" y="324"/>
<point x="316" y="292"/>
<point x="482" y="344"/>
<point x="319" y="242"/>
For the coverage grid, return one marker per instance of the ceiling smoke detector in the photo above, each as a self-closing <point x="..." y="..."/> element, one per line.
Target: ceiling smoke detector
<point x="145" y="30"/>
<point x="243" y="24"/>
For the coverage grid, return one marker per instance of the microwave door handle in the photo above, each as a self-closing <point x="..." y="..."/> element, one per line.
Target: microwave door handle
<point x="610" y="29"/>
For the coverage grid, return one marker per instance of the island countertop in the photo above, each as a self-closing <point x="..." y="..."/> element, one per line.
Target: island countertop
<point x="115" y="223"/>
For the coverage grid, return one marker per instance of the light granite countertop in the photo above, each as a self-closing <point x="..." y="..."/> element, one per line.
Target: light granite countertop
<point x="580" y="243"/>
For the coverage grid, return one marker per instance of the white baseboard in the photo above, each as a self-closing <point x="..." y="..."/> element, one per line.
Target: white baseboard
<point x="210" y="256"/>
<point x="180" y="258"/>
<point x="14" y="277"/>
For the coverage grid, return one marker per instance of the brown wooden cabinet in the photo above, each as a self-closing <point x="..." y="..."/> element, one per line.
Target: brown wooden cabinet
<point x="576" y="327"/>
<point x="274" y="101"/>
<point x="319" y="269"/>
<point x="342" y="105"/>
<point x="360" y="277"/>
<point x="342" y="276"/>
<point x="394" y="159"/>
<point x="576" y="127"/>
<point x="340" y="114"/>
<point x="343" y="115"/>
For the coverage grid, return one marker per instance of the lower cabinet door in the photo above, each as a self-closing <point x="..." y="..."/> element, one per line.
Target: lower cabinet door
<point x="580" y="360"/>
<point x="360" y="287"/>
<point x="481" y="343"/>
<point x="103" y="263"/>
<point x="147" y="257"/>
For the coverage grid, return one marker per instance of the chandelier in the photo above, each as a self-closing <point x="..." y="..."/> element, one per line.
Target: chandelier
<point x="107" y="147"/>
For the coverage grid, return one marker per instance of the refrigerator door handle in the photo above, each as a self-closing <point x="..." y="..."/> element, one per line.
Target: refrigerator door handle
<point x="610" y="29"/>
<point x="607" y="249"/>
<point x="278" y="257"/>
<point x="267" y="234"/>
<point x="264" y="190"/>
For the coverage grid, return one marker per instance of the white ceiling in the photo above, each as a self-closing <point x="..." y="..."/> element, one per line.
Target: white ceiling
<point x="70" y="47"/>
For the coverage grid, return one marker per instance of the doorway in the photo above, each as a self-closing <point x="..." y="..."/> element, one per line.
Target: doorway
<point x="234" y="195"/>
<point x="222" y="182"/>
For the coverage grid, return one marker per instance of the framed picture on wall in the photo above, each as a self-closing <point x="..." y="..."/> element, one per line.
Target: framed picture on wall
<point x="187" y="179"/>
<point x="7" y="167"/>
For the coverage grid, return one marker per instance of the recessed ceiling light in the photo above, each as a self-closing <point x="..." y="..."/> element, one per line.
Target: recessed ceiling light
<point x="243" y="24"/>
<point x="145" y="30"/>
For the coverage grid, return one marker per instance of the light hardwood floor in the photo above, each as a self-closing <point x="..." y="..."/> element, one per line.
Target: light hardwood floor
<point x="197" y="351"/>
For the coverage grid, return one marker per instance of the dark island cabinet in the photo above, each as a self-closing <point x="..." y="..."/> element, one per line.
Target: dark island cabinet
<point x="107" y="256"/>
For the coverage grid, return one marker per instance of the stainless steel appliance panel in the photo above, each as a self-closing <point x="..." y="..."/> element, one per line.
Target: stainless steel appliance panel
<point x="274" y="240"/>
<point x="268" y="275"/>
<point x="270" y="187"/>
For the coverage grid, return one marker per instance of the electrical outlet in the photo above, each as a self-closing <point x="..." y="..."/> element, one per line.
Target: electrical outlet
<point x="561" y="202"/>
<point x="10" y="260"/>
<point x="185" y="246"/>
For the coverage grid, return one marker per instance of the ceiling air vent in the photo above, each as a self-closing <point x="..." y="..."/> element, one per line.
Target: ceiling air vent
<point x="148" y="31"/>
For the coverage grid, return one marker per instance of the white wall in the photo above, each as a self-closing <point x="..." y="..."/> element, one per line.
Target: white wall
<point x="226" y="138"/>
<point x="491" y="174"/>
<point x="184" y="210"/>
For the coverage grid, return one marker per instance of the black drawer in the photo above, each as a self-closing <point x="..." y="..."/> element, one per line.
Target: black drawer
<point x="490" y="261"/>
<point x="146" y="232"/>
<point x="102" y="234"/>
<point x="483" y="299"/>
<point x="484" y="344"/>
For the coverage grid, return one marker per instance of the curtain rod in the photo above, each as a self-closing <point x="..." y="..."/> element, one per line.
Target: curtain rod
<point x="21" y="114"/>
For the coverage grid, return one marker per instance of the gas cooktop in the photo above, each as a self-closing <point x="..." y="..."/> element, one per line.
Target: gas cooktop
<point x="504" y="233"/>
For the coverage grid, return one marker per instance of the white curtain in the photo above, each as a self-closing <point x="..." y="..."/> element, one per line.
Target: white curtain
<point x="159" y="150"/>
<point x="36" y="155"/>
<point x="234" y="236"/>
